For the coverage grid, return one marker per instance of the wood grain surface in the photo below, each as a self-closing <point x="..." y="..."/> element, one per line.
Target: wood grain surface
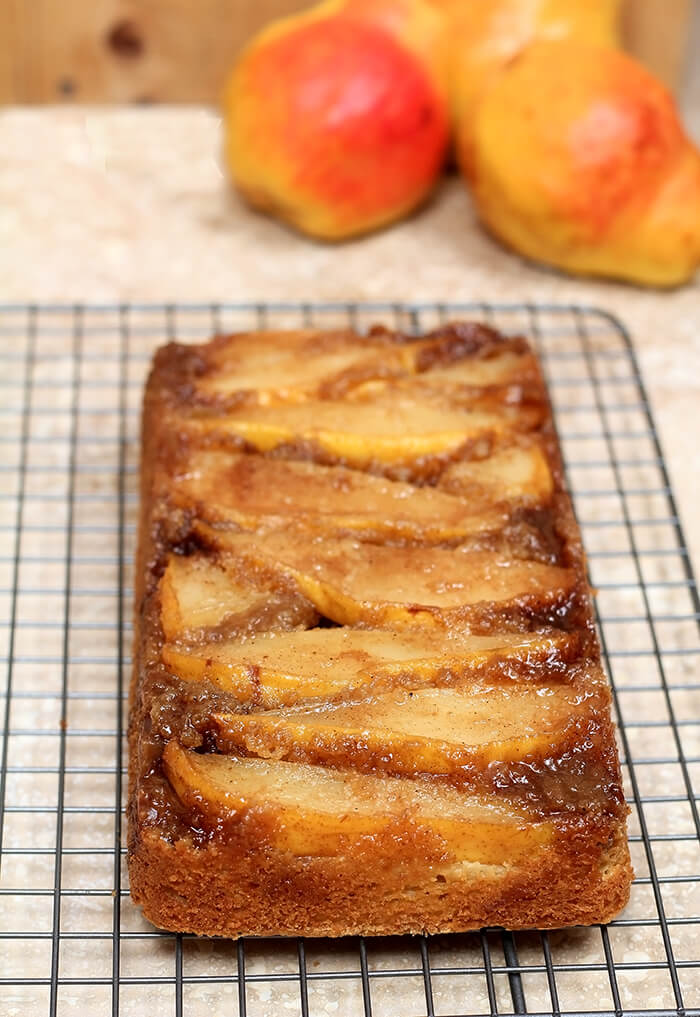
<point x="143" y="51"/>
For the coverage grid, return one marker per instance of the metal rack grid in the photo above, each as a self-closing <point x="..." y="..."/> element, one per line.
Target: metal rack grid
<point x="71" y="381"/>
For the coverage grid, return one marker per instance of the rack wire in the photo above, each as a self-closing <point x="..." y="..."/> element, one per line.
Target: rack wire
<point x="71" y="381"/>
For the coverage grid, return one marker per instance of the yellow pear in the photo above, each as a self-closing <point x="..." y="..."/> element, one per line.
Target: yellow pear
<point x="579" y="160"/>
<point x="486" y="34"/>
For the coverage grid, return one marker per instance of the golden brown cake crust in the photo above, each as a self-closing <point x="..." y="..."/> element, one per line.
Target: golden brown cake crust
<point x="201" y="863"/>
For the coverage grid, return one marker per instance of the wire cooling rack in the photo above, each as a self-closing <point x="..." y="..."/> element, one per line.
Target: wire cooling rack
<point x="70" y="939"/>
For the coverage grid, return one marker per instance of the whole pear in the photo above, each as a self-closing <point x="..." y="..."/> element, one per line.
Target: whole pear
<point x="486" y="34"/>
<point x="336" y="119"/>
<point x="580" y="161"/>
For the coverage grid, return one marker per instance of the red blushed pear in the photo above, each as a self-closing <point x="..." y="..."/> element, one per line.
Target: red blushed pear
<point x="336" y="119"/>
<point x="580" y="160"/>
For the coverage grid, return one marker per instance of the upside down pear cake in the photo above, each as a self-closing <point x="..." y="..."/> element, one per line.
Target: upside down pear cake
<point x="367" y="692"/>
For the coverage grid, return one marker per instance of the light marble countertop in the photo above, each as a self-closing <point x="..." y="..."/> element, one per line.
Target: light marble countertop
<point x="124" y="204"/>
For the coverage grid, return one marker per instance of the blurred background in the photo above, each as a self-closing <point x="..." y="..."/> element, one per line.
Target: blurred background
<point x="179" y="51"/>
<point x="115" y="184"/>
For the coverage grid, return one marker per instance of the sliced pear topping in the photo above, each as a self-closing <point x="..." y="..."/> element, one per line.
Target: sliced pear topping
<point x="310" y="362"/>
<point x="299" y="362"/>
<point x="510" y="474"/>
<point x="350" y="582"/>
<point x="253" y="492"/>
<point x="284" y="668"/>
<point x="398" y="431"/>
<point x="480" y="372"/>
<point x="197" y="594"/>
<point x="475" y="373"/>
<point x="431" y="731"/>
<point x="309" y="810"/>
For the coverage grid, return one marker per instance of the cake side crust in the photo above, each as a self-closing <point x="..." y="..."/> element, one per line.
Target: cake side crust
<point x="217" y="891"/>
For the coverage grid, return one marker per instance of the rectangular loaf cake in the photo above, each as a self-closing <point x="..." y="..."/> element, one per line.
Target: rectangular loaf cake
<point x="367" y="692"/>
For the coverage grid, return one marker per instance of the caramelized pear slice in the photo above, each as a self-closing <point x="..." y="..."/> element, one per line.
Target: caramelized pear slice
<point x="475" y="373"/>
<point x="311" y="362"/>
<point x="395" y="432"/>
<point x="309" y="810"/>
<point x="429" y="731"/>
<point x="350" y="582"/>
<point x="281" y="669"/>
<point x="510" y="474"/>
<point x="513" y="405"/>
<point x="299" y="362"/>
<point x="251" y="491"/>
<point x="198" y="594"/>
<point x="504" y="368"/>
